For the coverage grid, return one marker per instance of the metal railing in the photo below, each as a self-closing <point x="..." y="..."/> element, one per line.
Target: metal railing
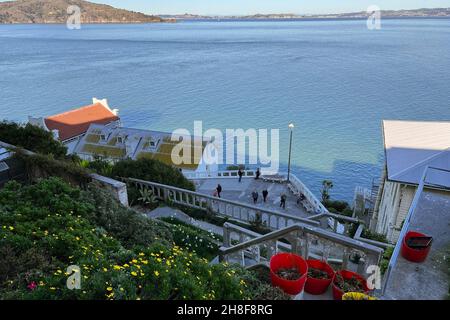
<point x="222" y="207"/>
<point x="218" y="174"/>
<point x="304" y="240"/>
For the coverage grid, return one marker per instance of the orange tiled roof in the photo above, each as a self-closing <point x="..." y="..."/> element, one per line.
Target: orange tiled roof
<point x="76" y="122"/>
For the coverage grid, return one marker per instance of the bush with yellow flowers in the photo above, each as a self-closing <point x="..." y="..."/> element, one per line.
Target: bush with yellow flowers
<point x="49" y="226"/>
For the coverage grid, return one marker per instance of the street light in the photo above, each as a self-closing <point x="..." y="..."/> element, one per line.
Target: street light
<point x="291" y="129"/>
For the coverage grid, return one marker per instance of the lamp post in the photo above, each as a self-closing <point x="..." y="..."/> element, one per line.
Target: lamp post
<point x="291" y="129"/>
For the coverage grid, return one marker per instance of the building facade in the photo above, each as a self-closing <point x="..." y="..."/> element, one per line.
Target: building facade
<point x="410" y="147"/>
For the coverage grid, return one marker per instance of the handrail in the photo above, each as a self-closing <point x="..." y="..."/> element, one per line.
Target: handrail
<point x="300" y="235"/>
<point x="221" y="206"/>
<point x="277" y="234"/>
<point x="358" y="237"/>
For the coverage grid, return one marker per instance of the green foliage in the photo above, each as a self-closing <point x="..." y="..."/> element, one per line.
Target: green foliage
<point x="99" y="166"/>
<point x="257" y="224"/>
<point x="385" y="259"/>
<point x="147" y="198"/>
<point x="202" y="215"/>
<point x="41" y="166"/>
<point x="152" y="170"/>
<point x="338" y="207"/>
<point x="46" y="227"/>
<point x="374" y="236"/>
<point x="32" y="138"/>
<point x="327" y="185"/>
<point x="204" y="244"/>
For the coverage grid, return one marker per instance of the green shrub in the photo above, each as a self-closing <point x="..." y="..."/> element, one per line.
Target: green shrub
<point x="40" y="166"/>
<point x="374" y="236"/>
<point x="32" y="138"/>
<point x="386" y="259"/>
<point x="204" y="244"/>
<point x="46" y="227"/>
<point x="152" y="170"/>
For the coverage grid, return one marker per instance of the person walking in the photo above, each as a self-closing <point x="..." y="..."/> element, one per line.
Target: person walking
<point x="255" y="196"/>
<point x="219" y="190"/>
<point x="283" y="201"/>
<point x="240" y="174"/>
<point x="258" y="174"/>
<point x="265" y="193"/>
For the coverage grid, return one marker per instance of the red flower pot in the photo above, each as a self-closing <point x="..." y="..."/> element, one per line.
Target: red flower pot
<point x="319" y="286"/>
<point x="338" y="293"/>
<point x="412" y="254"/>
<point x="288" y="261"/>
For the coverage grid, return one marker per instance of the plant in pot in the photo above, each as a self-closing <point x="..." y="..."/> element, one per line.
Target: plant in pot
<point x="288" y="271"/>
<point x="320" y="276"/>
<point x="347" y="281"/>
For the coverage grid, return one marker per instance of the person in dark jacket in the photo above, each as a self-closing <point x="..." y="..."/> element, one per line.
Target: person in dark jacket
<point x="283" y="201"/>
<point x="258" y="174"/>
<point x="219" y="190"/>
<point x="265" y="193"/>
<point x="240" y="174"/>
<point x="255" y="196"/>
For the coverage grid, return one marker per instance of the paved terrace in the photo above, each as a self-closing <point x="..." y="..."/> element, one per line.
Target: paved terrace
<point x="428" y="280"/>
<point x="242" y="192"/>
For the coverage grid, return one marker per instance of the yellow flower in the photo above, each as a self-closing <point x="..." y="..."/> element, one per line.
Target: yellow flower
<point x="145" y="261"/>
<point x="156" y="273"/>
<point x="141" y="254"/>
<point x="357" y="296"/>
<point x="105" y="270"/>
<point x="109" y="289"/>
<point x="117" y="267"/>
<point x="134" y="261"/>
<point x="11" y="228"/>
<point x="77" y="238"/>
<point x="133" y="273"/>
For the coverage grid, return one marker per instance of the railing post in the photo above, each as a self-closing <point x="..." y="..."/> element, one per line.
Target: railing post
<point x="226" y="236"/>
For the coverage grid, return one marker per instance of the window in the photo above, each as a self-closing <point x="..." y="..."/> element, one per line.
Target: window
<point x="119" y="140"/>
<point x="103" y="137"/>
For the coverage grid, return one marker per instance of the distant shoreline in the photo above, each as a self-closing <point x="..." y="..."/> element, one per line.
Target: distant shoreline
<point x="235" y="20"/>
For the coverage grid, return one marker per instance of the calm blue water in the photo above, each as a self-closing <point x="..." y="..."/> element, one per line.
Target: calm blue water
<point x="335" y="80"/>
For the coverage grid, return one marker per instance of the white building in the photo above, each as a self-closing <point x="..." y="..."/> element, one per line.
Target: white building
<point x="410" y="146"/>
<point x="69" y="127"/>
<point x="115" y="143"/>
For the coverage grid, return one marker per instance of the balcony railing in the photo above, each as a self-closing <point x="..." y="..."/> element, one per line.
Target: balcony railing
<point x="227" y="208"/>
<point x="304" y="240"/>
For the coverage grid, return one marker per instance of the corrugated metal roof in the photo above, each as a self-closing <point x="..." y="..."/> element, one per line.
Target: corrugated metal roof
<point x="410" y="146"/>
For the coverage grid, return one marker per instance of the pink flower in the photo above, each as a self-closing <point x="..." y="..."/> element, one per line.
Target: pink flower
<point x="32" y="286"/>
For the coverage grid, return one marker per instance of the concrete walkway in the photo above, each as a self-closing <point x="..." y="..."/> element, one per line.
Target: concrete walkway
<point x="167" y="212"/>
<point x="234" y="190"/>
<point x="428" y="280"/>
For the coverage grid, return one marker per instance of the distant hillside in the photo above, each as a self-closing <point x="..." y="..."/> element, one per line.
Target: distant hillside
<point x="55" y="11"/>
<point x="416" y="13"/>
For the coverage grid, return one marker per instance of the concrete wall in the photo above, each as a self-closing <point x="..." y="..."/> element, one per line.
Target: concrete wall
<point x="118" y="189"/>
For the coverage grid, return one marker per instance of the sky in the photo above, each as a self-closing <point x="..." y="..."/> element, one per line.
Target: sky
<point x="244" y="7"/>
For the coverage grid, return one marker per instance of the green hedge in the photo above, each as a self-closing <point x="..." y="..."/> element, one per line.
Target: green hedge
<point x="31" y="138"/>
<point x="152" y="170"/>
<point x="46" y="227"/>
